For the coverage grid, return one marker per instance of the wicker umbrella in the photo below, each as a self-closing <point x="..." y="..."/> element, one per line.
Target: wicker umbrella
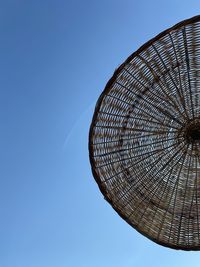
<point x="144" y="138"/>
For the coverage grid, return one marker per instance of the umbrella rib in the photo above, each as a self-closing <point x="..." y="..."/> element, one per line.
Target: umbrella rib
<point x="133" y="147"/>
<point x="166" y="113"/>
<point x="137" y="118"/>
<point x="156" y="78"/>
<point x="156" y="185"/>
<point x="161" y="59"/>
<point x="188" y="67"/>
<point x="172" y="194"/>
<point x="132" y="165"/>
<point x="152" y="166"/>
<point x="197" y="190"/>
<point x="123" y="159"/>
<point x="175" y="196"/>
<point x="131" y="138"/>
<point x="185" y="192"/>
<point x="182" y="98"/>
<point x="191" y="205"/>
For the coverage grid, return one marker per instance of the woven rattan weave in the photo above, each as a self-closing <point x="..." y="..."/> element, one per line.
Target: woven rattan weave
<point x="144" y="138"/>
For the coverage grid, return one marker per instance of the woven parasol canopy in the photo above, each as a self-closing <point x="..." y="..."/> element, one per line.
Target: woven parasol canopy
<point x="144" y="140"/>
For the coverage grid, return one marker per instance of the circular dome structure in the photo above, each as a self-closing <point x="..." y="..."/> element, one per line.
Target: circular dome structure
<point x="144" y="141"/>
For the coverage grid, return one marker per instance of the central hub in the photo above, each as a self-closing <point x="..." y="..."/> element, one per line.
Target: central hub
<point x="192" y="132"/>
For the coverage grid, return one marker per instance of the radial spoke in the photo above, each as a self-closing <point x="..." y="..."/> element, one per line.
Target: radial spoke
<point x="135" y="164"/>
<point x="156" y="186"/>
<point x="157" y="181"/>
<point x="134" y="118"/>
<point x="153" y="164"/>
<point x="184" y="197"/>
<point x="174" y="193"/>
<point x="163" y="63"/>
<point x="136" y="156"/>
<point x="181" y="96"/>
<point x="152" y="92"/>
<point x="165" y="113"/>
<point x="188" y="68"/>
<point x="135" y="147"/>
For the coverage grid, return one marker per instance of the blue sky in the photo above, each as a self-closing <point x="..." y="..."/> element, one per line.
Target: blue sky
<point x="55" y="59"/>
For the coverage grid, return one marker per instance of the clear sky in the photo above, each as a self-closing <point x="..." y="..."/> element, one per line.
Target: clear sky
<point x="55" y="59"/>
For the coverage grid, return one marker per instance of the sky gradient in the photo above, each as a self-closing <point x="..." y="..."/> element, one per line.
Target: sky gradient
<point x="55" y="59"/>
